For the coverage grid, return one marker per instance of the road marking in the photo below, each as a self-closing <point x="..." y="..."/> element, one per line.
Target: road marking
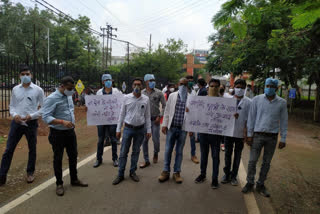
<point x="6" y="208"/>
<point x="249" y="198"/>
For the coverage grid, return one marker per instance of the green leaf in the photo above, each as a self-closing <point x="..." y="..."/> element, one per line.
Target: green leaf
<point x="252" y="15"/>
<point x="239" y="29"/>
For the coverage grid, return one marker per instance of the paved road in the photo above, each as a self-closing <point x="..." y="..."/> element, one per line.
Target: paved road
<point x="148" y="196"/>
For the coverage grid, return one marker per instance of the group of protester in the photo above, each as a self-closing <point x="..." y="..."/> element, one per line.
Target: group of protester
<point x="257" y="122"/>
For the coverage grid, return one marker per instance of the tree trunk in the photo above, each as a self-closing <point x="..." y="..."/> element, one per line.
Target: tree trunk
<point x="309" y="92"/>
<point x="316" y="112"/>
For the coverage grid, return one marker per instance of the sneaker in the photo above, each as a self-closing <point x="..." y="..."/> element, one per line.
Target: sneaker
<point x="97" y="163"/>
<point x="222" y="147"/>
<point x="144" y="165"/>
<point x="134" y="177"/>
<point x="164" y="176"/>
<point x="214" y="184"/>
<point x="200" y="179"/>
<point x="30" y="178"/>
<point x="177" y="178"/>
<point x="60" y="190"/>
<point x="115" y="163"/>
<point x="195" y="159"/>
<point x="118" y="180"/>
<point x="262" y="190"/>
<point x="234" y="182"/>
<point x="226" y="179"/>
<point x="247" y="188"/>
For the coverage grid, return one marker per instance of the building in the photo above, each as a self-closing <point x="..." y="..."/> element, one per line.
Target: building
<point x="118" y="60"/>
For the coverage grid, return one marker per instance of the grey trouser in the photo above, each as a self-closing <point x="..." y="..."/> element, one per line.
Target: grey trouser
<point x="269" y="144"/>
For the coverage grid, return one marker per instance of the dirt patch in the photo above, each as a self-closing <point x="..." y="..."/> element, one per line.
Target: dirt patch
<point x="16" y="184"/>
<point x="294" y="178"/>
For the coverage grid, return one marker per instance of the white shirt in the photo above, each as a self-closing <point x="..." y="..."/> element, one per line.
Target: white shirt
<point x="25" y="101"/>
<point x="227" y="95"/>
<point x="243" y="109"/>
<point x="115" y="91"/>
<point x="135" y="111"/>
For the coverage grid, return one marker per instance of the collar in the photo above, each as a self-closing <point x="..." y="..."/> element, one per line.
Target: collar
<point x="30" y="86"/>
<point x="274" y="100"/>
<point x="58" y="93"/>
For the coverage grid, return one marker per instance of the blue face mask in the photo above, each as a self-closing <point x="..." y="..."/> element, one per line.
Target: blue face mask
<point x="269" y="91"/>
<point x="108" y="84"/>
<point x="25" y="79"/>
<point x="152" y="84"/>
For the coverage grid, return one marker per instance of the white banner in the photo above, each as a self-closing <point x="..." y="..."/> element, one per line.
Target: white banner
<point x="103" y="109"/>
<point x="211" y="115"/>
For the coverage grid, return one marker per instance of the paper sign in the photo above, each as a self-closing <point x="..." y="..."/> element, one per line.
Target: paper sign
<point x="211" y="115"/>
<point x="103" y="109"/>
<point x="79" y="87"/>
<point x="292" y="93"/>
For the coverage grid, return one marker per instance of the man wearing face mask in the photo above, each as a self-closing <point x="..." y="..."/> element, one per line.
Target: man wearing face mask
<point x="172" y="126"/>
<point x="268" y="115"/>
<point x="170" y="90"/>
<point x="58" y="112"/>
<point x="25" y="100"/>
<point x="109" y="130"/>
<point x="192" y="137"/>
<point x="240" y="133"/>
<point x="213" y="141"/>
<point x="135" y="114"/>
<point x="155" y="97"/>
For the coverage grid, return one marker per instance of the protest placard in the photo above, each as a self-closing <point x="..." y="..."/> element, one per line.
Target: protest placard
<point x="211" y="115"/>
<point x="103" y="110"/>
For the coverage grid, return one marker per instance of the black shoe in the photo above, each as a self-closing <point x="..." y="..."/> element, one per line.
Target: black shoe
<point x="247" y="188"/>
<point x="200" y="179"/>
<point x="134" y="177"/>
<point x="79" y="183"/>
<point x="97" y="163"/>
<point x="226" y="179"/>
<point x="3" y="180"/>
<point x="115" y="163"/>
<point x="261" y="189"/>
<point x="118" y="180"/>
<point x="215" y="184"/>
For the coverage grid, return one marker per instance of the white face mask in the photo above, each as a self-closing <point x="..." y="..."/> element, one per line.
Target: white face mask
<point x="239" y="92"/>
<point x="171" y="89"/>
<point x="68" y="93"/>
<point x="231" y="90"/>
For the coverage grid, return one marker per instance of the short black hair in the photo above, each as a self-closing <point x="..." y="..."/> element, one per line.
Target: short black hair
<point x="188" y="77"/>
<point x="202" y="82"/>
<point x="67" y="79"/>
<point x="137" y="79"/>
<point x="215" y="80"/>
<point x="170" y="85"/>
<point x="24" y="68"/>
<point x="241" y="82"/>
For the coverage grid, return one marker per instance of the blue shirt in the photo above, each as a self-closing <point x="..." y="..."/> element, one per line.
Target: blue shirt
<point x="268" y="116"/>
<point x="58" y="106"/>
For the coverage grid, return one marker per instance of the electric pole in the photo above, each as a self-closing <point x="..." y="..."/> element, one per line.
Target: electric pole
<point x="150" y="43"/>
<point x="111" y="38"/>
<point x="103" y="35"/>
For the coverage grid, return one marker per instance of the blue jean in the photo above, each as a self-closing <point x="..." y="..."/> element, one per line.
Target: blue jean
<point x="207" y="141"/>
<point x="15" y="135"/>
<point x="155" y="131"/>
<point x="238" y="146"/>
<point x="103" y="131"/>
<point x="193" y="145"/>
<point x="129" y="135"/>
<point x="268" y="143"/>
<point x="175" y="136"/>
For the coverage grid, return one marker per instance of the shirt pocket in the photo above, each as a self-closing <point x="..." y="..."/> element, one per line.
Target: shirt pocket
<point x="142" y="108"/>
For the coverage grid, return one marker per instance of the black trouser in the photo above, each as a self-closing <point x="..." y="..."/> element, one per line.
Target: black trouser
<point x="16" y="132"/>
<point x="60" y="139"/>
<point x="238" y="146"/>
<point x="110" y="131"/>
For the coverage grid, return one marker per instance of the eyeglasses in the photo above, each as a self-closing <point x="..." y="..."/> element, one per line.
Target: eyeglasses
<point x="25" y="74"/>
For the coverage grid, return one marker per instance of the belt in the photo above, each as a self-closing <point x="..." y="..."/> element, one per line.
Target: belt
<point x="174" y="126"/>
<point x="133" y="127"/>
<point x="61" y="131"/>
<point x="267" y="134"/>
<point x="154" y="118"/>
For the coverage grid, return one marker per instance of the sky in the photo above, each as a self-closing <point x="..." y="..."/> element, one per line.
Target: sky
<point x="189" y="20"/>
